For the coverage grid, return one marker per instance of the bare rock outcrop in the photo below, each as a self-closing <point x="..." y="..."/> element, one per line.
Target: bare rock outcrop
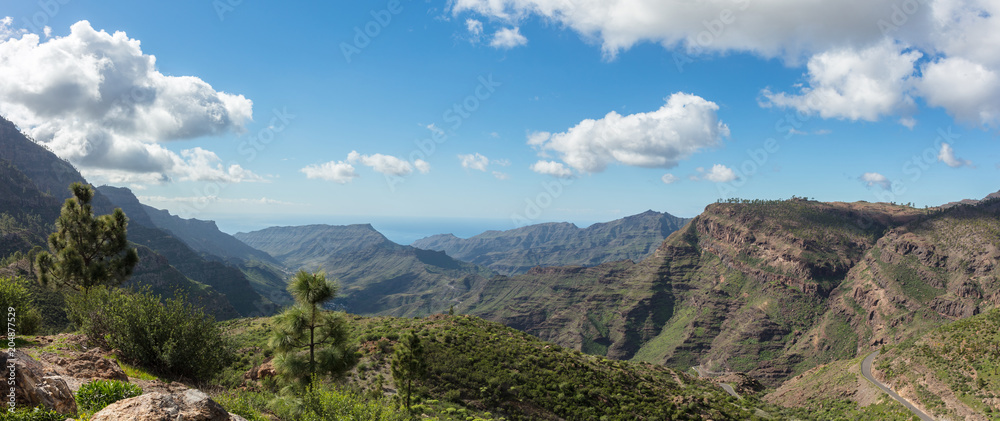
<point x="34" y="386"/>
<point x="90" y="365"/>
<point x="190" y="405"/>
<point x="260" y="372"/>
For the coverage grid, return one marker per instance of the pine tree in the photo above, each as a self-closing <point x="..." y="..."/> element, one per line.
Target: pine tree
<point x="308" y="325"/>
<point x="408" y="362"/>
<point x="86" y="251"/>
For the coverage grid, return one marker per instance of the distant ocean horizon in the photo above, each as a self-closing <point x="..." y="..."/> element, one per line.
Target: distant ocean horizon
<point x="402" y="230"/>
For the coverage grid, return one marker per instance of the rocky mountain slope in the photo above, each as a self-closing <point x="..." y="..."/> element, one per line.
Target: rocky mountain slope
<point x="772" y="288"/>
<point x="377" y="276"/>
<point x="204" y="237"/>
<point x="37" y="182"/>
<point x="239" y="270"/>
<point x="560" y="244"/>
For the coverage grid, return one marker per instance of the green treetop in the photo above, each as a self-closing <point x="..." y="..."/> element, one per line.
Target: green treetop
<point x="308" y="325"/>
<point x="86" y="251"/>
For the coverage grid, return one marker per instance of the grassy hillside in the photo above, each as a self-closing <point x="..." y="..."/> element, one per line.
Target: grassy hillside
<point x="952" y="371"/>
<point x="476" y="367"/>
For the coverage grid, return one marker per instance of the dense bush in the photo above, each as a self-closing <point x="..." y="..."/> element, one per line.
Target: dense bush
<point x="95" y="395"/>
<point x="36" y="414"/>
<point x="14" y="295"/>
<point x="171" y="337"/>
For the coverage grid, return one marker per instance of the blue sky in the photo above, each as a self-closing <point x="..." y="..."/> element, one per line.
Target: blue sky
<point x="251" y="111"/>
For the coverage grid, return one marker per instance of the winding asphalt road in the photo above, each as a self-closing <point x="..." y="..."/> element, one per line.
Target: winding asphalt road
<point x="866" y="370"/>
<point x="725" y="386"/>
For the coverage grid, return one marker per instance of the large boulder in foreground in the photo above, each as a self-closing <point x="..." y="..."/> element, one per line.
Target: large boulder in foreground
<point x="34" y="386"/>
<point x="190" y="405"/>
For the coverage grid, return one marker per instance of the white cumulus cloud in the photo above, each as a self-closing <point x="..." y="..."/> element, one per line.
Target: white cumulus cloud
<point x="474" y="27"/>
<point x="875" y="179"/>
<point x="683" y="126"/>
<point x="474" y="161"/>
<point x="947" y="155"/>
<point x="555" y="169"/>
<point x="669" y="178"/>
<point x="968" y="90"/>
<point x="96" y="99"/>
<point x="718" y="174"/>
<point x="385" y="164"/>
<point x="508" y="38"/>
<point x="850" y="45"/>
<point x="336" y="171"/>
<point x="855" y="85"/>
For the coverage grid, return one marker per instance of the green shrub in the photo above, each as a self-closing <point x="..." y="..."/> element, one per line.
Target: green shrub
<point x="172" y="337"/>
<point x="36" y="414"/>
<point x="324" y="403"/>
<point x="95" y="395"/>
<point x="247" y="404"/>
<point x="14" y="295"/>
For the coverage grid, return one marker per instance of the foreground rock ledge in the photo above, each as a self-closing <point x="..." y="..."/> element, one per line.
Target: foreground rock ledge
<point x="34" y="386"/>
<point x="190" y="405"/>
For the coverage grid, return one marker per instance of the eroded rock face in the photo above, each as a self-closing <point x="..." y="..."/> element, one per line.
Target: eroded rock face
<point x="34" y="386"/>
<point x="190" y="405"/>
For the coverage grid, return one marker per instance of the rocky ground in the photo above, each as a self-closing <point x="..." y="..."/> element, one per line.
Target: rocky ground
<point x="50" y="369"/>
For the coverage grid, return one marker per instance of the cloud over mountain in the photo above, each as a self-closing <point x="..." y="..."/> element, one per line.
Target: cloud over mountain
<point x="683" y="126"/>
<point x="96" y="99"/>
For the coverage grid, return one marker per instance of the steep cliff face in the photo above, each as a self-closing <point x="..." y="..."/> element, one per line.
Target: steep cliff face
<point x="941" y="268"/>
<point x="771" y="288"/>
<point x="560" y="244"/>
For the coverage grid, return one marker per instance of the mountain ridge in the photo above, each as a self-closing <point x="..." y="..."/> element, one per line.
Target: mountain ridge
<point x="376" y="275"/>
<point x="560" y="243"/>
